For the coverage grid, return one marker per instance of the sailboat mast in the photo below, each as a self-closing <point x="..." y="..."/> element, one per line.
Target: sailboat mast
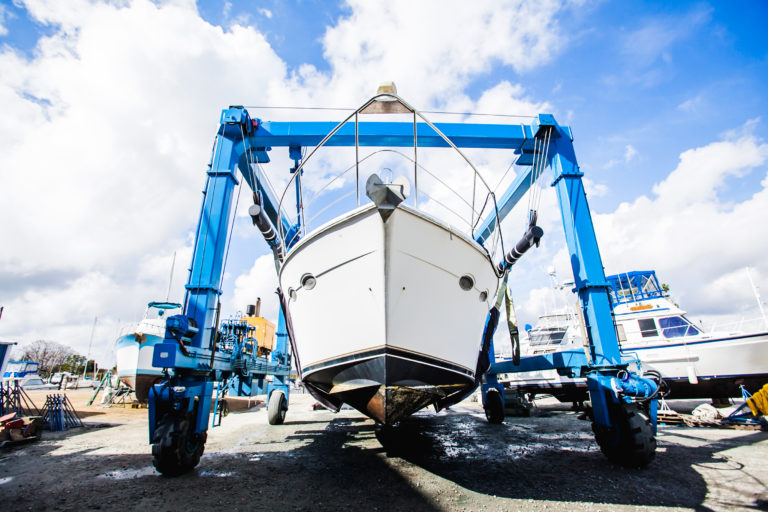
<point x="170" y="279"/>
<point x="756" y="291"/>
<point x="90" y="343"/>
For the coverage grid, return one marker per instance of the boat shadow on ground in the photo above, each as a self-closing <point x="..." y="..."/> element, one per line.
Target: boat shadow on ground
<point x="541" y="460"/>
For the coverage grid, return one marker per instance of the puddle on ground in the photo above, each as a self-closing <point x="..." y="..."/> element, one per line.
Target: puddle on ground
<point x="5" y="480"/>
<point x="533" y="449"/>
<point x="219" y="474"/>
<point x="129" y="474"/>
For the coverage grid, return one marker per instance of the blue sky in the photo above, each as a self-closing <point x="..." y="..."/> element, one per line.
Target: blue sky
<point x="111" y="110"/>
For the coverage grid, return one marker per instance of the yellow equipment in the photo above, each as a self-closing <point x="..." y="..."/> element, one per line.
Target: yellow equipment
<point x="758" y="403"/>
<point x="263" y="332"/>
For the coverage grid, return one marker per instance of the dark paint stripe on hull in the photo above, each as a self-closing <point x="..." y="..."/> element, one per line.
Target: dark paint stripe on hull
<point x="388" y="385"/>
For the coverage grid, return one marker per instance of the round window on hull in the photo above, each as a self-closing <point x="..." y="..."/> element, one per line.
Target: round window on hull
<point x="308" y="281"/>
<point x="466" y="282"/>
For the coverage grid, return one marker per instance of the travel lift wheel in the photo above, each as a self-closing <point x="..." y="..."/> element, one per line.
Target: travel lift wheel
<point x="177" y="448"/>
<point x="630" y="441"/>
<point x="494" y="406"/>
<point x="276" y="408"/>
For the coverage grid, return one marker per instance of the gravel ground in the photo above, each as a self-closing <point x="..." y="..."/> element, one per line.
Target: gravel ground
<point x="319" y="460"/>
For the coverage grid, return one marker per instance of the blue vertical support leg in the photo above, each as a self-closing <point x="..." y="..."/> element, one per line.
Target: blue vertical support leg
<point x="180" y="405"/>
<point x="621" y="425"/>
<point x="587" y="265"/>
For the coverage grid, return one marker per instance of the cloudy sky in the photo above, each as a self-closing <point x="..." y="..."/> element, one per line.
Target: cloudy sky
<point x="110" y="108"/>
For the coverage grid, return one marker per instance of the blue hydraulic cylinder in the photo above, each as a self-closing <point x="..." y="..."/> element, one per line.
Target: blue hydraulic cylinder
<point x="588" y="274"/>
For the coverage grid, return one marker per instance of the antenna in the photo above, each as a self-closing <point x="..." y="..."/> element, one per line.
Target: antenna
<point x="756" y="291"/>
<point x="170" y="279"/>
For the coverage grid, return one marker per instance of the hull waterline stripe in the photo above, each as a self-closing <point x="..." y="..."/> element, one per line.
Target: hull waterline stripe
<point x="390" y="351"/>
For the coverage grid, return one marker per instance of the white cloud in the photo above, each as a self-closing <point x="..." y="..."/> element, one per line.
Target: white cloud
<point x="431" y="49"/>
<point x="697" y="241"/>
<point x="652" y="41"/>
<point x="120" y="104"/>
<point x="691" y="104"/>
<point x="103" y="177"/>
<point x="649" y="49"/>
<point x="3" y="16"/>
<point x="266" y="13"/>
<point x="629" y="154"/>
<point x="259" y="281"/>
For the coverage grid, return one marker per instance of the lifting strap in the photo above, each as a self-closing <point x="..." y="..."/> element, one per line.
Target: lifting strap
<point x="514" y="334"/>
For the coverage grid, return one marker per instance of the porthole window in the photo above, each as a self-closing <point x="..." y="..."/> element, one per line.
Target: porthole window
<point x="466" y="282"/>
<point x="308" y="281"/>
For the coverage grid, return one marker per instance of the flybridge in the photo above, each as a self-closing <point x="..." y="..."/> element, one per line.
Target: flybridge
<point x="634" y="286"/>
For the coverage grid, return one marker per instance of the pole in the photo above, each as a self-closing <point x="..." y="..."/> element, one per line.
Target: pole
<point x="756" y="291"/>
<point x="93" y="329"/>
<point x="170" y="280"/>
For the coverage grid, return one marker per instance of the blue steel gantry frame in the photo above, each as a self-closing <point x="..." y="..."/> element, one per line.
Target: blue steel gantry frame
<point x="189" y="350"/>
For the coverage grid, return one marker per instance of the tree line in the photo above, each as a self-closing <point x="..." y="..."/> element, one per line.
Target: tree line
<point x="54" y="357"/>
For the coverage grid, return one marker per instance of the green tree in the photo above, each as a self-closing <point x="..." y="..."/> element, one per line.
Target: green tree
<point x="73" y="363"/>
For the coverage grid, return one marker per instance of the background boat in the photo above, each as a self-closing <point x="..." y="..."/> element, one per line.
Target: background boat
<point x="134" y="349"/>
<point x="652" y="329"/>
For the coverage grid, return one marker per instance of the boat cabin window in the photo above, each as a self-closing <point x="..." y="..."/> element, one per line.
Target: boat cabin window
<point x="649" y="286"/>
<point x="648" y="327"/>
<point x="620" y="333"/>
<point x="554" y="337"/>
<point x="677" y="326"/>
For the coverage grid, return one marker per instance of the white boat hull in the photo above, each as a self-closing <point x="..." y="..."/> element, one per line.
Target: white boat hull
<point x="701" y="367"/>
<point x="387" y="327"/>
<point x="133" y="354"/>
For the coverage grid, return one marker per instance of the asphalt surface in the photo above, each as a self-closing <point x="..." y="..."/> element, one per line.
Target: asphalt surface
<point x="318" y="460"/>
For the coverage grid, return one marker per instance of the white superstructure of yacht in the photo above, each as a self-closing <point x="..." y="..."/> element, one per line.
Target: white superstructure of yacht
<point x="652" y="329"/>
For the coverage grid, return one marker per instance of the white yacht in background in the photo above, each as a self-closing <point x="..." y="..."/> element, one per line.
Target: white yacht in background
<point x="134" y="349"/>
<point x="652" y="329"/>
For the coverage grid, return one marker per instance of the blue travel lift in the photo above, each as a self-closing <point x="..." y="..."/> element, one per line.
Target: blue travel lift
<point x="180" y="404"/>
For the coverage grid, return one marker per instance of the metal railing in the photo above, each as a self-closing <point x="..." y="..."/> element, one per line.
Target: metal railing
<point x="440" y="196"/>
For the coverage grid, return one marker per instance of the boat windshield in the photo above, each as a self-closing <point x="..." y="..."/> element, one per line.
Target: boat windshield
<point x="677" y="326"/>
<point x="157" y="310"/>
<point x="634" y="286"/>
<point x="548" y="337"/>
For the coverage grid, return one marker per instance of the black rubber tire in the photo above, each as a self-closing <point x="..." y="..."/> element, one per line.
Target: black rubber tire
<point x="494" y="406"/>
<point x="630" y="442"/>
<point x="182" y="449"/>
<point x="276" y="408"/>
